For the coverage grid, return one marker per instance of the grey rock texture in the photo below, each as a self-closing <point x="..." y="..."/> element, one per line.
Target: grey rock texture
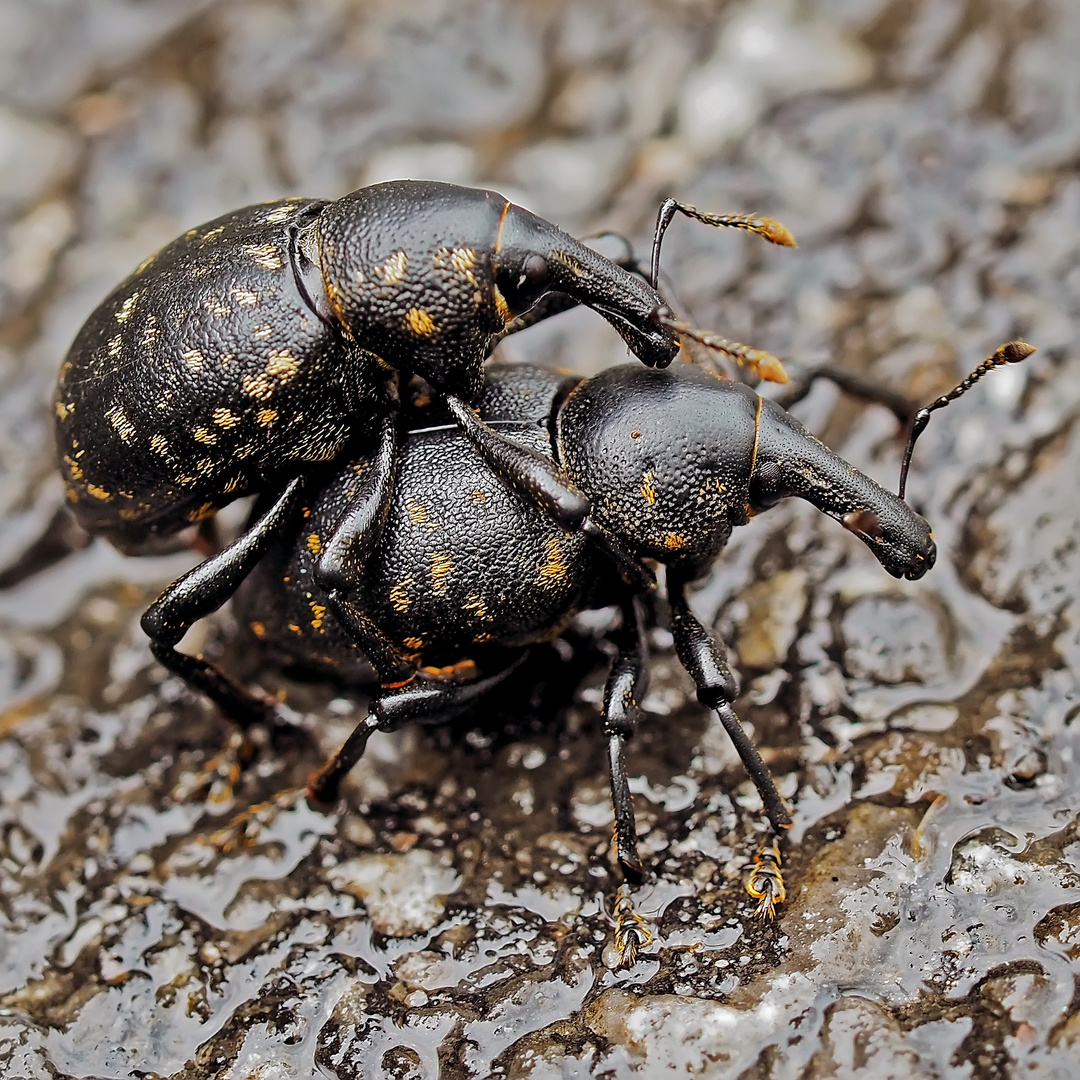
<point x="451" y="921"/>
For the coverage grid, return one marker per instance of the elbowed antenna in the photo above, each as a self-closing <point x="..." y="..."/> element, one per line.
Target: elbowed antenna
<point x="757" y="361"/>
<point x="1012" y="352"/>
<point x="761" y="363"/>
<point x="768" y="228"/>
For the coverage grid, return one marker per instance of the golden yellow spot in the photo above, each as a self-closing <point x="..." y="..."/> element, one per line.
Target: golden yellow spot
<point x="281" y="213"/>
<point x="225" y="418"/>
<point x="553" y="570"/>
<point x="294" y="628"/>
<point x="64" y="411"/>
<point x="257" y="386"/>
<point x="440" y="572"/>
<point x="213" y="233"/>
<point x="205" y="466"/>
<point x="476" y="498"/>
<point x="73" y="467"/>
<point x="393" y="270"/>
<point x="648" y="488"/>
<point x="258" y="629"/>
<point x="674" y="541"/>
<point x="501" y="306"/>
<point x="417" y="511"/>
<point x="119" y="420"/>
<point x="116" y="346"/>
<point x="245" y="297"/>
<point x="71" y="493"/>
<point x="150" y="331"/>
<point x="476" y="605"/>
<point x="463" y="260"/>
<point x="262" y="331"/>
<point x="193" y="358"/>
<point x="399" y="597"/>
<point x="314" y="544"/>
<point x="266" y="255"/>
<point x="318" y="611"/>
<point x="217" y="307"/>
<point x="232" y="485"/>
<point x="160" y="445"/>
<point x="420" y="322"/>
<point x="414" y="643"/>
<point x="635" y="434"/>
<point x="201" y="513"/>
<point x="127" y="308"/>
<point x="462" y="671"/>
<point x="202" y="435"/>
<point x="282" y="365"/>
<point x="483" y="638"/>
<point x="266" y="417"/>
<point x="97" y="492"/>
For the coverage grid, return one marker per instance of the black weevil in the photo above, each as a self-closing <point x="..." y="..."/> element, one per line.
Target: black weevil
<point x="468" y="573"/>
<point x="253" y="350"/>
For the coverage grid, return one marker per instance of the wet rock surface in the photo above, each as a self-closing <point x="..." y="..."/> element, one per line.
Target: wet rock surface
<point x="452" y="920"/>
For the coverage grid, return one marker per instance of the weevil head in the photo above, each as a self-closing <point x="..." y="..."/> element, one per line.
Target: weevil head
<point x="425" y="275"/>
<point x="533" y="257"/>
<point x="673" y="460"/>
<point x="789" y="461"/>
<point x="665" y="458"/>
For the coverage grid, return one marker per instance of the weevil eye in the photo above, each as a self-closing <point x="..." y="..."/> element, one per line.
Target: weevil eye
<point x="534" y="271"/>
<point x="863" y="523"/>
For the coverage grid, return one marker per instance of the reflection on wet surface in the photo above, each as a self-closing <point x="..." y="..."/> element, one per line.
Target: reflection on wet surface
<point x="455" y="919"/>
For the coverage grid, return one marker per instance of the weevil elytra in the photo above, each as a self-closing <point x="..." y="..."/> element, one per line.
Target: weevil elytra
<point x="256" y="350"/>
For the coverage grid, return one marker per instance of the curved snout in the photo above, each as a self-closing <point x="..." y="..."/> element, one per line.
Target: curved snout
<point x="533" y="257"/>
<point x="790" y="461"/>
<point x="900" y="540"/>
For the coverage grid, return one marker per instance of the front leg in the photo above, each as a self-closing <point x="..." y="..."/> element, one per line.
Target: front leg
<point x="547" y="486"/>
<point x="203" y="590"/>
<point x="716" y="689"/>
<point x="340" y="566"/>
<point x="626" y="685"/>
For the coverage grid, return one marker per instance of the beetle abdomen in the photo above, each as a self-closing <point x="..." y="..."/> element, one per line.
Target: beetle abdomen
<point x="201" y="375"/>
<point x="462" y="562"/>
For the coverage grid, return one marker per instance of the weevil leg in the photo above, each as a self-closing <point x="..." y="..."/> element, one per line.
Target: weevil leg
<point x="716" y="689"/>
<point x="422" y="699"/>
<point x="530" y="474"/>
<point x="203" y="590"/>
<point x="858" y="386"/>
<point x="547" y="486"/>
<point x="62" y="536"/>
<point x="626" y="685"/>
<point x="350" y="544"/>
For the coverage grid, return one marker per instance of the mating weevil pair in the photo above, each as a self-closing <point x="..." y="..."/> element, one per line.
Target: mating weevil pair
<point x="251" y="356"/>
<point x="252" y="351"/>
<point x="468" y="573"/>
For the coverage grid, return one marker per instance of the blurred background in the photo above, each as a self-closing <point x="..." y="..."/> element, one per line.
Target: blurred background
<point x="926" y="155"/>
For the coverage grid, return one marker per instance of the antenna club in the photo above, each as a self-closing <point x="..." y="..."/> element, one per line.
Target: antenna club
<point x="1012" y="352"/>
<point x="776" y="232"/>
